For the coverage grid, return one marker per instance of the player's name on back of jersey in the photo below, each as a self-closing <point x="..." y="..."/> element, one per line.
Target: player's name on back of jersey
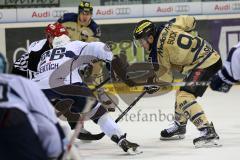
<point x="48" y="67"/>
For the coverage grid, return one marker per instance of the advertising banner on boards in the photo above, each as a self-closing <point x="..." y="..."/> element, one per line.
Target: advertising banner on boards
<point x="122" y="11"/>
<point x="221" y="7"/>
<point x="170" y="9"/>
<point x="42" y="14"/>
<point x="8" y="15"/>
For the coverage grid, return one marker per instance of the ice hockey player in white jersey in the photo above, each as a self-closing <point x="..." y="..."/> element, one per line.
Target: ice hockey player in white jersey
<point x="58" y="68"/>
<point x="230" y="73"/>
<point x="28" y="125"/>
<point x="26" y="65"/>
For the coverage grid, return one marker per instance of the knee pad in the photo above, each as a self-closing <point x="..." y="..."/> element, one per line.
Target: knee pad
<point x="184" y="99"/>
<point x="190" y="108"/>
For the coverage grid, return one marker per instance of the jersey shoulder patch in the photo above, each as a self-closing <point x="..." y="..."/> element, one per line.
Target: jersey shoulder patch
<point x="68" y="17"/>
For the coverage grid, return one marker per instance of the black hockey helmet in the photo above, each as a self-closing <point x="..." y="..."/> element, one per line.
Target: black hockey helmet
<point x="85" y="7"/>
<point x="3" y="64"/>
<point x="144" y="29"/>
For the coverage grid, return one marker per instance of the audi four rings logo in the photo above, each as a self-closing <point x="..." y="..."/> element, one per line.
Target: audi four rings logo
<point x="236" y="6"/>
<point x="182" y="8"/>
<point x="1" y="15"/>
<point x="58" y="13"/>
<point x="122" y="11"/>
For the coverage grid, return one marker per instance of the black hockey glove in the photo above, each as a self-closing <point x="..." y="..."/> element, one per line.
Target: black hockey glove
<point x="217" y="84"/>
<point x="151" y="89"/>
<point x="86" y="70"/>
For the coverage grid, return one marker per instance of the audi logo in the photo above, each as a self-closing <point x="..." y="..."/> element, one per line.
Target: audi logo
<point x="58" y="13"/>
<point x="122" y="11"/>
<point x="182" y="8"/>
<point x="236" y="6"/>
<point x="1" y="15"/>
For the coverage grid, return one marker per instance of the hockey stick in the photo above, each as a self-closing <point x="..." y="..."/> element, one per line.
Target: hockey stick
<point x="115" y="104"/>
<point x="74" y="136"/>
<point x="180" y="84"/>
<point x="92" y="136"/>
<point x="101" y="135"/>
<point x="101" y="84"/>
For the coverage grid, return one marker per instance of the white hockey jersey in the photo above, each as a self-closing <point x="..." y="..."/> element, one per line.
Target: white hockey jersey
<point x="25" y="95"/>
<point x="231" y="70"/>
<point x="59" y="66"/>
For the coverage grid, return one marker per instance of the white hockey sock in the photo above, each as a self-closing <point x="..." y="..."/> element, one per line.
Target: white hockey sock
<point x="109" y="126"/>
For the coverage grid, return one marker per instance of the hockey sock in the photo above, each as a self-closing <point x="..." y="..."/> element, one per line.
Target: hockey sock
<point x="191" y="109"/>
<point x="109" y="126"/>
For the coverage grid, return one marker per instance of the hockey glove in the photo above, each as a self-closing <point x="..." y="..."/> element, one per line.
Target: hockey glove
<point x="151" y="89"/>
<point x="217" y="84"/>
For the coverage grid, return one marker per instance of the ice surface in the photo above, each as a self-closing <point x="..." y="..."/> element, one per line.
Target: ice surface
<point x="222" y="109"/>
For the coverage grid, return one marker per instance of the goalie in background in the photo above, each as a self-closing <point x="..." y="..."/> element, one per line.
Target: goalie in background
<point x="28" y="125"/>
<point x="176" y="45"/>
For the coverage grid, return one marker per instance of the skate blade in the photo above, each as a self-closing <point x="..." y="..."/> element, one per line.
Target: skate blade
<point x="208" y="144"/>
<point x="134" y="151"/>
<point x="175" y="137"/>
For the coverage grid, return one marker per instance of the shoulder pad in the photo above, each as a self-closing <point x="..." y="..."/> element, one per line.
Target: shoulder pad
<point x="37" y="45"/>
<point x="68" y="17"/>
<point x="186" y="23"/>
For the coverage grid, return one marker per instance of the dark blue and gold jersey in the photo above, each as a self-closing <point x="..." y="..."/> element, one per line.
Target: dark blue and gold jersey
<point x="85" y="32"/>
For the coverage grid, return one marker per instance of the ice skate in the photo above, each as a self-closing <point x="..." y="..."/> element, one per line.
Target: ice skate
<point x="208" y="138"/>
<point x="175" y="132"/>
<point x="129" y="147"/>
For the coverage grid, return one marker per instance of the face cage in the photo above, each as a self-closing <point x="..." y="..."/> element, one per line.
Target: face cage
<point x="140" y="42"/>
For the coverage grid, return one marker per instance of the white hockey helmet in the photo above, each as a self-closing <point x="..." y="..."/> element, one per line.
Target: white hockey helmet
<point x="60" y="41"/>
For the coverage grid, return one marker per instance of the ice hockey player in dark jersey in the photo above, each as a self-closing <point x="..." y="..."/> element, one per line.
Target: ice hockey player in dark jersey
<point x="81" y="26"/>
<point x="230" y="73"/>
<point x="29" y="128"/>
